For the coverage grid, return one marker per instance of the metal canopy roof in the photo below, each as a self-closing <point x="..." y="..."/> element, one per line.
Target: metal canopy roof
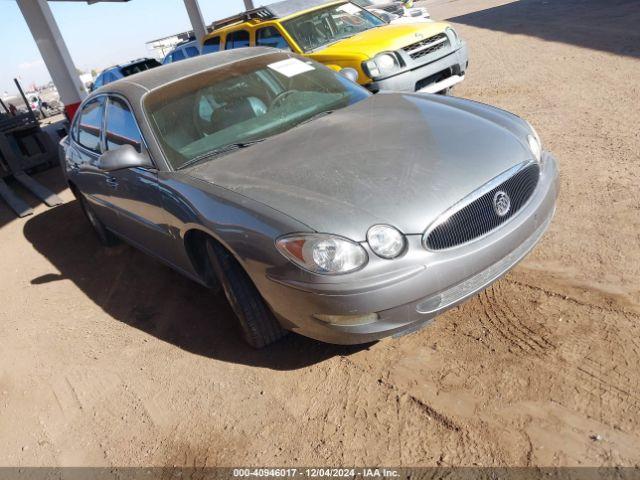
<point x="89" y="2"/>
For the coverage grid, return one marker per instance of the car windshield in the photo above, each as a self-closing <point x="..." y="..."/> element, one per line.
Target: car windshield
<point x="241" y="102"/>
<point x="317" y="29"/>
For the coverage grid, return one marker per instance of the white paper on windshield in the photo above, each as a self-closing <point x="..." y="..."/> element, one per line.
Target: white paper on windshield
<point x="291" y="67"/>
<point x="349" y="8"/>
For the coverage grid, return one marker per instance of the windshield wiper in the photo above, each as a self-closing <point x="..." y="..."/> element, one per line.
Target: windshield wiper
<point x="324" y="113"/>
<point x="219" y="151"/>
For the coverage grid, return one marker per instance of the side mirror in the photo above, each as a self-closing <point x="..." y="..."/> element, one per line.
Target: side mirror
<point x="123" y="157"/>
<point x="350" y="74"/>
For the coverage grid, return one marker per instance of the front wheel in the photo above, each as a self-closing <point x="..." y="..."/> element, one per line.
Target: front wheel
<point x="258" y="324"/>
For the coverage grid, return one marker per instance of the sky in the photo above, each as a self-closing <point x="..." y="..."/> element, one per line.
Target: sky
<point x="98" y="35"/>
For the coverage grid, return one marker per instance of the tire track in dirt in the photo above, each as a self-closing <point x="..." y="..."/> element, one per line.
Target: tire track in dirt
<point x="508" y="325"/>
<point x="605" y="385"/>
<point x="552" y="293"/>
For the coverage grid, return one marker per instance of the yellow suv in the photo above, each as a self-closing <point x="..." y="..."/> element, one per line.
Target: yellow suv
<point x="426" y="56"/>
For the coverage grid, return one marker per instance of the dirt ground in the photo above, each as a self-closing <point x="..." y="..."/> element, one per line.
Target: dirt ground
<point x="109" y="358"/>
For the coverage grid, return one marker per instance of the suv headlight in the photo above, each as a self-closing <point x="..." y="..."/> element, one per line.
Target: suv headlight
<point x="323" y="253"/>
<point x="382" y="65"/>
<point x="451" y="32"/>
<point x="386" y="241"/>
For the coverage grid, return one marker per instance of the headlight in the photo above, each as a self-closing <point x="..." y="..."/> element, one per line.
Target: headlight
<point x="535" y="144"/>
<point x="454" y="34"/>
<point x="323" y="253"/>
<point x="386" y="241"/>
<point x="535" y="147"/>
<point x="382" y="65"/>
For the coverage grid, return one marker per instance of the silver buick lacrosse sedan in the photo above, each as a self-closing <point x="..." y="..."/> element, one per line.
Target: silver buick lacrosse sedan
<point x="315" y="206"/>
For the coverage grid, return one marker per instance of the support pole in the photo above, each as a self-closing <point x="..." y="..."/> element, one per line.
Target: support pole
<point x="195" y="17"/>
<point x="248" y="4"/>
<point x="24" y="98"/>
<point x="54" y="52"/>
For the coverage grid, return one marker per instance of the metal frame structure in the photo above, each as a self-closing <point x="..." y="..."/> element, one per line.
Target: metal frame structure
<point x="55" y="53"/>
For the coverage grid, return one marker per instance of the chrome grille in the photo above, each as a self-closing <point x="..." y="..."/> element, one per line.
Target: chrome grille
<point x="459" y="292"/>
<point x="479" y="217"/>
<point x="427" y="46"/>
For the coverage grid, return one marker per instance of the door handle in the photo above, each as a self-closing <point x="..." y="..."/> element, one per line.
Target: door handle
<point x="112" y="182"/>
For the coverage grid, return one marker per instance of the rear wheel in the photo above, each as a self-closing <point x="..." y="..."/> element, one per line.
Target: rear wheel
<point x="258" y="324"/>
<point x="105" y="237"/>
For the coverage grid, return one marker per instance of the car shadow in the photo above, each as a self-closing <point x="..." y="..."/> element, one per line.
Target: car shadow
<point x="610" y="26"/>
<point x="135" y="289"/>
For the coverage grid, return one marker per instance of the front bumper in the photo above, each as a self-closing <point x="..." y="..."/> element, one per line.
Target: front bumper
<point x="438" y="281"/>
<point x="416" y="79"/>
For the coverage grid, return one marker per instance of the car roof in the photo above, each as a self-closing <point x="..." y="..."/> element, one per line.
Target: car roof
<point x="140" y="83"/>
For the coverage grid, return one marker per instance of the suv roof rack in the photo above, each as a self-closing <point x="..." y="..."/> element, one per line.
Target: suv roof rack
<point x="280" y="9"/>
<point x="261" y="13"/>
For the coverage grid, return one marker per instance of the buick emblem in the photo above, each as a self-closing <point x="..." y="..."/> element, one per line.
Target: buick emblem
<point x="501" y="203"/>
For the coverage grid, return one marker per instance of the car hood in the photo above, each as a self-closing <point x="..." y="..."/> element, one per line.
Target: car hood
<point x="385" y="38"/>
<point x="398" y="159"/>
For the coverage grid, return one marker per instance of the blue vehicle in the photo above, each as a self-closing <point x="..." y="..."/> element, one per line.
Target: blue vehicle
<point x="117" y="72"/>
<point x="187" y="49"/>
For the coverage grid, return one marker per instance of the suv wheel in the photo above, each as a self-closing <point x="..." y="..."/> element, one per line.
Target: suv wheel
<point x="258" y="324"/>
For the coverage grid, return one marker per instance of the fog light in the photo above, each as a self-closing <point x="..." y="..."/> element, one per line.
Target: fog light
<point x="430" y="304"/>
<point x="348" y="319"/>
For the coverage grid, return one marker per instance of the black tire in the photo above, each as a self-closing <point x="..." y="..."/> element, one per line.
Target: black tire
<point x="258" y="324"/>
<point x="446" y="91"/>
<point x="105" y="237"/>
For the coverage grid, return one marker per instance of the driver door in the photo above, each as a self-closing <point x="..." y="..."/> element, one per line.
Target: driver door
<point x="134" y="193"/>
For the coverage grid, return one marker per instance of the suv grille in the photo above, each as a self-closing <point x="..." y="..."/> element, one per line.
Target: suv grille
<point x="427" y="46"/>
<point x="479" y="217"/>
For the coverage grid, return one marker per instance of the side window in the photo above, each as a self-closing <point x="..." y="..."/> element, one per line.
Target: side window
<point x="168" y="59"/>
<point x="237" y="39"/>
<point x="121" y="127"/>
<point x="271" y="37"/>
<point x="211" y="45"/>
<point x="90" y="124"/>
<point x="178" y="55"/>
<point x="108" y="77"/>
<point x="192" y="51"/>
<point x="99" y="81"/>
